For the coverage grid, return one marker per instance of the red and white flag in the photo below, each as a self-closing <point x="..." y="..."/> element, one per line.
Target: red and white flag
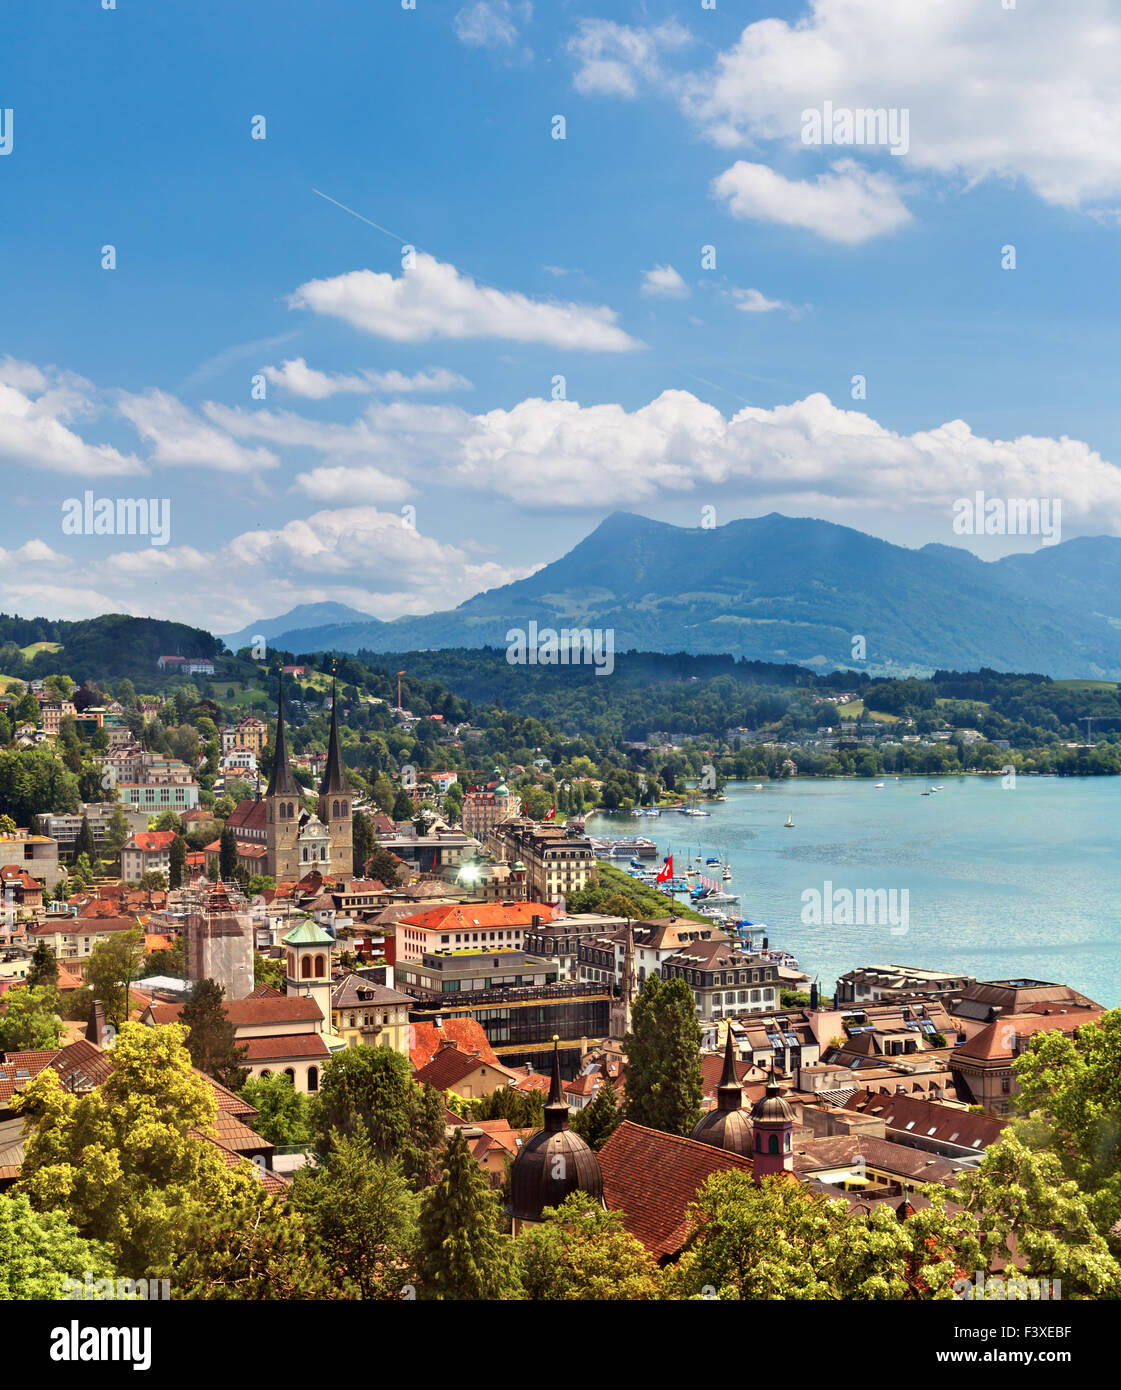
<point x="552" y="814"/>
<point x="666" y="872"/>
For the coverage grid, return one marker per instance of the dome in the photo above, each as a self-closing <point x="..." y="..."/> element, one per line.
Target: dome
<point x="553" y="1163"/>
<point x="728" y="1126"/>
<point x="772" y="1109"/>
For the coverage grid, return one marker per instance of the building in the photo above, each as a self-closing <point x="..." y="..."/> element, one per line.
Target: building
<point x="53" y="712"/>
<point x="462" y="926"/>
<point x="218" y="941"/>
<point x="464" y="970"/>
<point x="872" y="984"/>
<point x="556" y="863"/>
<point x="250" y="733"/>
<point x="601" y="958"/>
<point x="186" y="665"/>
<point x="366" y="1014"/>
<point x="725" y="980"/>
<point x="982" y="1068"/>
<point x="726" y="1127"/>
<point x="465" y="1073"/>
<point x="484" y="807"/>
<point x="148" y="851"/>
<point x="38" y="854"/>
<point x="65" y="828"/>
<point x="154" y="797"/>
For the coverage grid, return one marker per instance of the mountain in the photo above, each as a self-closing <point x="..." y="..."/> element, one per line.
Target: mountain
<point x="778" y="588"/>
<point x="307" y="615"/>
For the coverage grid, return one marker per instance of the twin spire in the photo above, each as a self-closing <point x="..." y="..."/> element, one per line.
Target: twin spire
<point x="283" y="781"/>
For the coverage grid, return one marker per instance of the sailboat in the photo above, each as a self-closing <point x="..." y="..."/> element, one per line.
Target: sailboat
<point x="727" y="874"/>
<point x="788" y="824"/>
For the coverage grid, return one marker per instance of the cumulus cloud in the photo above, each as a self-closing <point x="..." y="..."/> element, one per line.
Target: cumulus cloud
<point x="356" y="555"/>
<point x="756" y="302"/>
<point x="664" y="280"/>
<point x="295" y="377"/>
<point x="435" y="300"/>
<point x="37" y="409"/>
<point x="179" y="437"/>
<point x="617" y="59"/>
<point x="1032" y="93"/>
<point x="849" y="204"/>
<point x="491" y="24"/>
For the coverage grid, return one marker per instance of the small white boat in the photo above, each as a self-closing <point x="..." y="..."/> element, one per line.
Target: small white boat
<point x="788" y="824"/>
<point x="758" y="786"/>
<point x="879" y="786"/>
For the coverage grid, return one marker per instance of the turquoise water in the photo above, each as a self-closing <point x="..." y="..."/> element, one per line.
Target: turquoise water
<point x="1001" y="883"/>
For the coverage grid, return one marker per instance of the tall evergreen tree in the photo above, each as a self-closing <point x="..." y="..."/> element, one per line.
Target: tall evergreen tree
<point x="44" y="967"/>
<point x="177" y="862"/>
<point x="212" y="1041"/>
<point x="84" y="843"/>
<point x="596" y="1123"/>
<point x="227" y="854"/>
<point x="363" y="834"/>
<point x="664" y="1087"/>
<point x="463" y="1252"/>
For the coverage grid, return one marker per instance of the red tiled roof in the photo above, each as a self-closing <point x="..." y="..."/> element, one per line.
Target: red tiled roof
<point x="247" y="815"/>
<point x="998" y="1041"/>
<point x="283" y="1046"/>
<point x="151" y="840"/>
<point x="653" y="1177"/>
<point x="465" y="916"/>
<point x="245" y="1013"/>
<point x="451" y="1064"/>
<point x="425" y="1040"/>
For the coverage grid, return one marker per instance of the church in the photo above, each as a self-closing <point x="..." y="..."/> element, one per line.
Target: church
<point x="296" y="840"/>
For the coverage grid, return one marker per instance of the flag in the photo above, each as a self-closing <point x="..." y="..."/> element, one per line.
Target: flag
<point x="667" y="871"/>
<point x="552" y="814"/>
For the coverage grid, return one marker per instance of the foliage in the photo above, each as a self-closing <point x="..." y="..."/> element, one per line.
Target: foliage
<point x="580" y="1251"/>
<point x="267" y="971"/>
<point x="112" y="965"/>
<point x="664" y="1086"/>
<point x="44" y="967"/>
<point x="212" y="1040"/>
<point x="39" y="1251"/>
<point x="597" y="1122"/>
<point x="283" y="1117"/>
<point x="463" y="1253"/>
<point x="28" y="1021"/>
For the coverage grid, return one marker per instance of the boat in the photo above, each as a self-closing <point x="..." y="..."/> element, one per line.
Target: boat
<point x="713" y="859"/>
<point x="925" y="793"/>
<point x="727" y="874"/>
<point x="758" y="786"/>
<point x="788" y="824"/>
<point x="879" y="786"/>
<point x="696" y="811"/>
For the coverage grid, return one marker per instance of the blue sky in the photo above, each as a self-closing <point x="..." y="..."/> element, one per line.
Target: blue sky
<point x="432" y="386"/>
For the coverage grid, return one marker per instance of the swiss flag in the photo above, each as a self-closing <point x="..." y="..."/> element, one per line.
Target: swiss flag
<point x="667" y="871"/>
<point x="552" y="814"/>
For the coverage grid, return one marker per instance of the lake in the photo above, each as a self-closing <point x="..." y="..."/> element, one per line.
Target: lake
<point x="1000" y="883"/>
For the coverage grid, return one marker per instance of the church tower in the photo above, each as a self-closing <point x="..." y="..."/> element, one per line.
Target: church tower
<point x="282" y="800"/>
<point x="773" y="1123"/>
<point x="336" y="799"/>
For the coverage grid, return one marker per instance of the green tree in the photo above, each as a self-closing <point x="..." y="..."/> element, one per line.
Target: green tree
<point x="364" y="1214"/>
<point x="403" y="807"/>
<point x="267" y="971"/>
<point x="84" y="844"/>
<point x="124" y="1162"/>
<point x="40" y="1251"/>
<point x="363" y="840"/>
<point x="153" y="881"/>
<point x="29" y="1019"/>
<point x="212" y="1040"/>
<point x="372" y="1087"/>
<point x="597" y="1122"/>
<point x="44" y="967"/>
<point x="169" y="820"/>
<point x="177" y="862"/>
<point x="282" y="1111"/>
<point x="384" y="867"/>
<point x="26" y="709"/>
<point x="112" y="966"/>
<point x="664" y="1086"/>
<point x="9" y="827"/>
<point x="227" y="854"/>
<point x="463" y="1253"/>
<point x="260" y="884"/>
<point x="118" y="832"/>
<point x="580" y="1251"/>
<point x="522" y="1109"/>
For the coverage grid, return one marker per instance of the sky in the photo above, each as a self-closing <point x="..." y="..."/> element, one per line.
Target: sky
<point x="326" y="282"/>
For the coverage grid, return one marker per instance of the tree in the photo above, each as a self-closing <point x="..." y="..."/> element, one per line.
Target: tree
<point x="258" y="1248"/>
<point x="124" y="1162"/>
<point x="664" y="1087"/>
<point x="9" y="827"/>
<point x="372" y="1087"/>
<point x="282" y="1111"/>
<point x="260" y="884"/>
<point x="44" y="967"/>
<point x="267" y="971"/>
<point x="364" y="1214"/>
<point x="780" y="1241"/>
<point x="40" y="1251"/>
<point x="84" y="844"/>
<point x="384" y="867"/>
<point x="212" y="1040"/>
<point x="363" y="840"/>
<point x="580" y="1251"/>
<point x="169" y="820"/>
<point x="29" y="1021"/>
<point x="118" y="833"/>
<point x="597" y="1122"/>
<point x="26" y="709"/>
<point x="112" y="966"/>
<point x="153" y="881"/>
<point x="403" y="807"/>
<point x="34" y="781"/>
<point x="463" y="1253"/>
<point x="227" y="853"/>
<point x="177" y="862"/>
<point x="523" y="1109"/>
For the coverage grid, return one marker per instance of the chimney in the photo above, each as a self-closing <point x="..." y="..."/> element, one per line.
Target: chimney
<point x="95" y="1027"/>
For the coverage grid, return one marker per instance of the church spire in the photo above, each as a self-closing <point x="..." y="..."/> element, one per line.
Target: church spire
<point x="282" y="782"/>
<point x="556" y="1108"/>
<point x="334" y="775"/>
<point x="729" y="1093"/>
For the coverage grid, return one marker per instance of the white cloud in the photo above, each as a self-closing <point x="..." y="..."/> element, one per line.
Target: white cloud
<point x="1031" y="93"/>
<point x="756" y="302"/>
<point x="37" y="408"/>
<point x="356" y="555"/>
<point x="361" y="484"/>
<point x="616" y="59"/>
<point x="298" y="379"/>
<point x="434" y="300"/>
<point x="849" y="205"/>
<point x="664" y="280"/>
<point x="491" y="23"/>
<point x="178" y="437"/>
